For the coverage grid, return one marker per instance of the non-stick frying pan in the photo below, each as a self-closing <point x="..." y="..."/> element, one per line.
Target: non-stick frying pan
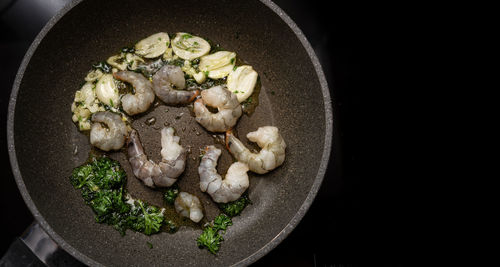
<point x="43" y="139"/>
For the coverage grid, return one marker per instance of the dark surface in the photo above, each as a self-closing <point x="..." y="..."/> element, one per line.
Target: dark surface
<point x="19" y="254"/>
<point x="335" y="215"/>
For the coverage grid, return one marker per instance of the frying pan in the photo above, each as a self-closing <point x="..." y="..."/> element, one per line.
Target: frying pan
<point x="45" y="145"/>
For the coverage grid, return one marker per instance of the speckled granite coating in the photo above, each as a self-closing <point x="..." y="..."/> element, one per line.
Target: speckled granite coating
<point x="42" y="137"/>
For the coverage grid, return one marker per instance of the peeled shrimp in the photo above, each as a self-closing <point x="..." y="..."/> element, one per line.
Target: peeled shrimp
<point x="227" y="104"/>
<point x="222" y="191"/>
<point x="111" y="137"/>
<point x="188" y="205"/>
<point x="271" y="155"/>
<point x="140" y="101"/>
<point x="164" y="81"/>
<point x="164" y="173"/>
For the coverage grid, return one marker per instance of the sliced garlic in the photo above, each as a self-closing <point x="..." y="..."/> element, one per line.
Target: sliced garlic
<point x="107" y="91"/>
<point x="218" y="65"/>
<point x="200" y="77"/>
<point x="189" y="47"/>
<point x="88" y="94"/>
<point x="93" y="75"/>
<point x="153" y="46"/>
<point x="80" y="114"/>
<point x="187" y="68"/>
<point x="168" y="54"/>
<point x="117" y="61"/>
<point x="84" y="125"/>
<point x="95" y="107"/>
<point x="242" y="82"/>
<point x="133" y="61"/>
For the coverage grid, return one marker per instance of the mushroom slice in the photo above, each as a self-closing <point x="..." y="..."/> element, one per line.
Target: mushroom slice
<point x="189" y="47"/>
<point x="242" y="82"/>
<point x="153" y="46"/>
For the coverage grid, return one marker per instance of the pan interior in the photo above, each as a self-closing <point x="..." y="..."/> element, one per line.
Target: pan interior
<point x="45" y="137"/>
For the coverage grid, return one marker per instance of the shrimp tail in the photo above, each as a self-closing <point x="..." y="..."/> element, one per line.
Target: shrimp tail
<point x="195" y="95"/>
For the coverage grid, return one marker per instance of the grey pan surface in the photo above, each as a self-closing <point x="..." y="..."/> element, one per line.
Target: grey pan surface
<point x="42" y="137"/>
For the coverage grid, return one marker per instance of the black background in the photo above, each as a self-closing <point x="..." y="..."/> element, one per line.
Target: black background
<point x="357" y="216"/>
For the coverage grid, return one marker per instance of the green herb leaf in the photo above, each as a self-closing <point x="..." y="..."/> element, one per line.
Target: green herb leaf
<point x="221" y="222"/>
<point x="211" y="238"/>
<point x="234" y="208"/>
<point x="171" y="194"/>
<point x="102" y="183"/>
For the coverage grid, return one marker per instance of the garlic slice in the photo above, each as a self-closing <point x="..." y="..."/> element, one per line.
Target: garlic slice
<point x="200" y="77"/>
<point x="168" y="54"/>
<point x="153" y="46"/>
<point x="218" y="65"/>
<point x="93" y="75"/>
<point x="133" y="61"/>
<point x="117" y="61"/>
<point x="107" y="91"/>
<point x="189" y="47"/>
<point x="242" y="82"/>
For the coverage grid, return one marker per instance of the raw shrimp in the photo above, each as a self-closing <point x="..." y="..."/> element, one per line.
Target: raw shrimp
<point x="111" y="137"/>
<point x="188" y="205"/>
<point x="140" y="101"/>
<point x="164" y="173"/>
<point x="227" y="104"/>
<point x="271" y="155"/>
<point x="222" y="191"/>
<point x="164" y="81"/>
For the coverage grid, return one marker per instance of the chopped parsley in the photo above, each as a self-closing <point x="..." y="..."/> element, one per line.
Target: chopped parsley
<point x="211" y="238"/>
<point x="171" y="194"/>
<point x="102" y="183"/>
<point x="234" y="208"/>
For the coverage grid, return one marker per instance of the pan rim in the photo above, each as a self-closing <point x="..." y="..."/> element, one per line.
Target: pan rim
<point x="249" y="259"/>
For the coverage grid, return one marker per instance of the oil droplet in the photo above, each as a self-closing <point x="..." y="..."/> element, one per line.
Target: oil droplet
<point x="150" y="121"/>
<point x="179" y="116"/>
